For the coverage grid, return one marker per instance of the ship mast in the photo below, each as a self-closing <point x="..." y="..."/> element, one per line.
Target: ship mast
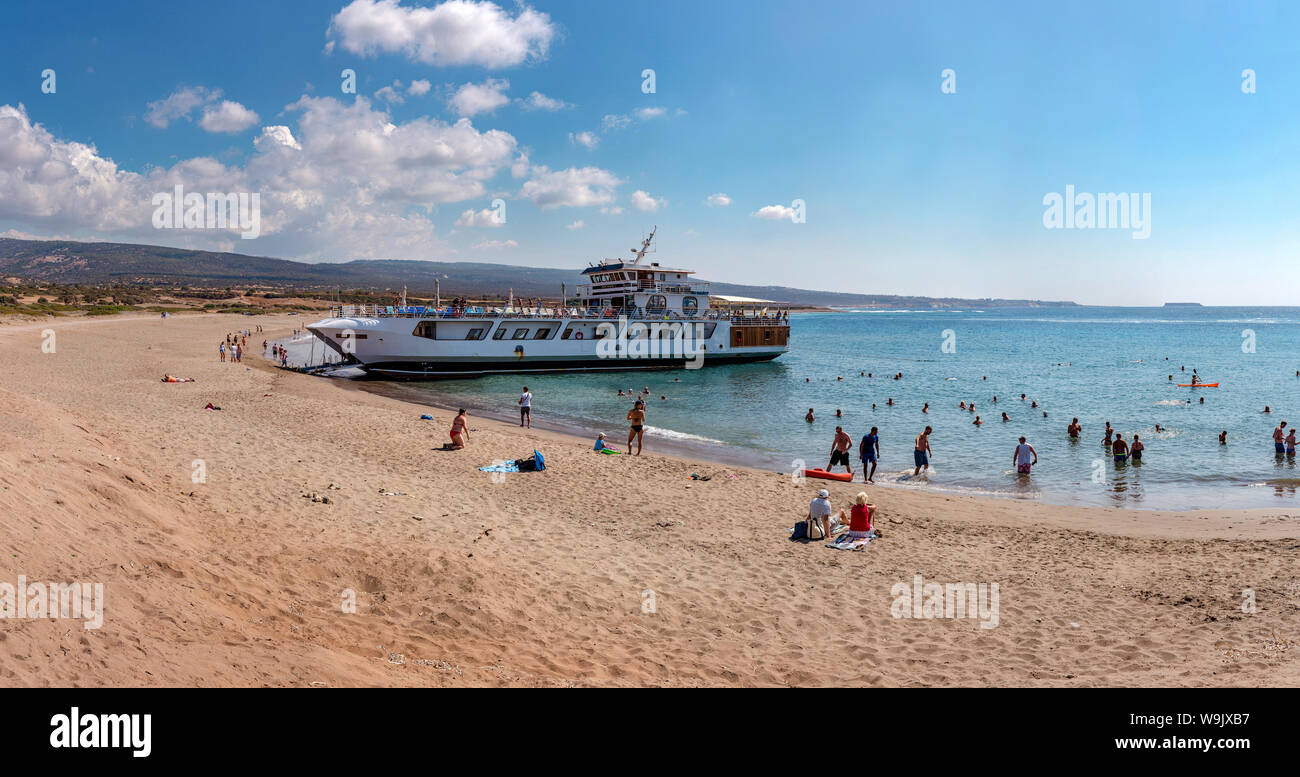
<point x="645" y="246"/>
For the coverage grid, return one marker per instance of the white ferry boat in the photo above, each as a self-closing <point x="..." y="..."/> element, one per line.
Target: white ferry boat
<point x="629" y="315"/>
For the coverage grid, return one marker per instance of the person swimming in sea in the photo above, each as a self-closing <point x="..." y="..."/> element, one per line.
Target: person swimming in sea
<point x="1136" y="449"/>
<point x="1074" y="429"/>
<point x="926" y="409"/>
<point x="838" y="414"/>
<point x="889" y="401"/>
<point x="1006" y="417"/>
<point x="962" y="404"/>
<point x="977" y="421"/>
<point x="809" y="417"/>
<point x="1223" y="437"/>
<point x="1119" y="449"/>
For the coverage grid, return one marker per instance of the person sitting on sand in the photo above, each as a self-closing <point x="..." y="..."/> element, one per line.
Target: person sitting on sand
<point x="840" y="450"/>
<point x="637" y="416"/>
<point x="600" y="443"/>
<point x="1119" y="449"/>
<point x="1021" y="457"/>
<point x="809" y="417"/>
<point x="459" y="431"/>
<point x="1136" y="448"/>
<point x="860" y="517"/>
<point x="819" y="511"/>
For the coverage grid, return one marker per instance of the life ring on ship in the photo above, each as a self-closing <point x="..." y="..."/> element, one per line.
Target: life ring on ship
<point x="577" y="335"/>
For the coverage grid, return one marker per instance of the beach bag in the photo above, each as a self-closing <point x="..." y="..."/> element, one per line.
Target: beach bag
<point x="800" y="531"/>
<point x="815" y="530"/>
<point x="534" y="463"/>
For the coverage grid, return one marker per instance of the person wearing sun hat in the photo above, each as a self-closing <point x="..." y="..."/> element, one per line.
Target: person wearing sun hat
<point x="819" y="511"/>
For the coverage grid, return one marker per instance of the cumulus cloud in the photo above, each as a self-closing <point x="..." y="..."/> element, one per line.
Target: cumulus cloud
<point x="587" y="139"/>
<point x="645" y="203"/>
<point x="576" y="225"/>
<point x="650" y="113"/>
<point x="227" y="116"/>
<point x="537" y="101"/>
<point x="718" y="200"/>
<point x="179" y="105"/>
<point x="345" y="182"/>
<point x="419" y="87"/>
<point x="614" y="121"/>
<point x="455" y="32"/>
<point x="473" y="99"/>
<point x="774" y="213"/>
<point x="479" y="218"/>
<point x="492" y="245"/>
<point x="612" y="210"/>
<point x="575" y="187"/>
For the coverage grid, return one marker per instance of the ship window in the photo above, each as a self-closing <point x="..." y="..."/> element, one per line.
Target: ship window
<point x="500" y="333"/>
<point x="474" y="334"/>
<point x="767" y="335"/>
<point x="520" y="334"/>
<point x="566" y="334"/>
<point x="425" y="329"/>
<point x="542" y="333"/>
<point x="690" y="305"/>
<point x="656" y="302"/>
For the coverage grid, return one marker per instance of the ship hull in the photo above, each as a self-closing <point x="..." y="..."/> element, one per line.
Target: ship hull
<point x="415" y="349"/>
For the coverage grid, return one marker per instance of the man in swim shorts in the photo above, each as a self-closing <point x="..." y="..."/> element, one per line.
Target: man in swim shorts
<point x="869" y="452"/>
<point x="921" y="452"/>
<point x="1120" y="449"/>
<point x="840" y="450"/>
<point x="1074" y="429"/>
<point x="1024" y="452"/>
<point x="1279" y="434"/>
<point x="526" y="408"/>
<point x="637" y="416"/>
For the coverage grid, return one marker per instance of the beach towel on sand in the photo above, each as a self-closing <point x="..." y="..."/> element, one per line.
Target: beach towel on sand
<point x="843" y="542"/>
<point x="508" y="466"/>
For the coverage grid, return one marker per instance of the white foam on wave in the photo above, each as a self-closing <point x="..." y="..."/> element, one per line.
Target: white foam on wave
<point x="675" y="435"/>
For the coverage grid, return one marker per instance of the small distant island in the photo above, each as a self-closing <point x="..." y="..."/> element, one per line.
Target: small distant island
<point x="1182" y="304"/>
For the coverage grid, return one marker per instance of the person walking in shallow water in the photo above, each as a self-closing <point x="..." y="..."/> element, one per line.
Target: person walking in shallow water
<point x="1024" y="452"/>
<point x="921" y="452"/>
<point x="840" y="450"/>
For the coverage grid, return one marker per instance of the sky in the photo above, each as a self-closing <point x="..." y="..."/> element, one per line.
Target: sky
<point x="880" y="148"/>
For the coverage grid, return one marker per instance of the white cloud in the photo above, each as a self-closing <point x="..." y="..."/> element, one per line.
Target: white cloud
<point x="576" y="225"/>
<point x="346" y="182"/>
<point x="588" y="139"/>
<point x="519" y="168"/>
<point x="480" y="218"/>
<point x="575" y="187"/>
<point x="473" y="99"/>
<point x="540" y="102"/>
<point x="650" y="113"/>
<point x="645" y="203"/>
<point x="718" y="200"/>
<point x="774" y="213"/>
<point x="227" y="116"/>
<point x="390" y="94"/>
<point x="492" y="245"/>
<point x="178" y="105"/>
<point x="612" y="210"/>
<point x="419" y="87"/>
<point x="614" y="121"/>
<point x="456" y="32"/>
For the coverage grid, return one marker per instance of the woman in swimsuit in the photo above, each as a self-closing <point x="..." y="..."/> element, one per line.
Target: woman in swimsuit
<point x="637" y="416"/>
<point x="459" y="431"/>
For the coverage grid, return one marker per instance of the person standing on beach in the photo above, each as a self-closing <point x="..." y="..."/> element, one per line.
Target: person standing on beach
<point x="1279" y="433"/>
<point x="921" y="453"/>
<point x="840" y="450"/>
<point x="1024" y="451"/>
<point x="637" y="416"/>
<point x="526" y="408"/>
<point x="869" y="452"/>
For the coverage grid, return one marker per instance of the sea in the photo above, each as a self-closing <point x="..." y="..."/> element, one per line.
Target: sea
<point x="1099" y="364"/>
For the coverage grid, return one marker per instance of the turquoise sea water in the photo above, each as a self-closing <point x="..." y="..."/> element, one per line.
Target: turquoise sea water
<point x="1100" y="364"/>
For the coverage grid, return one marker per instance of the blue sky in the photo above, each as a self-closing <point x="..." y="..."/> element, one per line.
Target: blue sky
<point x="907" y="189"/>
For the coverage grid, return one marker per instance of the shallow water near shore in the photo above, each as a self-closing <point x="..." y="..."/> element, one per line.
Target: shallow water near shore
<point x="1099" y="364"/>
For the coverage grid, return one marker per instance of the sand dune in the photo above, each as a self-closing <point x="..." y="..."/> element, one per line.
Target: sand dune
<point x="542" y="579"/>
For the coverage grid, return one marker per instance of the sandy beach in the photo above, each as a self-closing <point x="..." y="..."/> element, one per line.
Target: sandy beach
<point x="544" y="579"/>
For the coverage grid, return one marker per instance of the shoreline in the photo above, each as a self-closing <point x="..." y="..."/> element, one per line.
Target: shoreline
<point x="600" y="571"/>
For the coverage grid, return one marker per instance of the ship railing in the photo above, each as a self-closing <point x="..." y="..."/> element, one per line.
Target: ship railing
<point x="480" y="312"/>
